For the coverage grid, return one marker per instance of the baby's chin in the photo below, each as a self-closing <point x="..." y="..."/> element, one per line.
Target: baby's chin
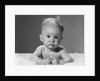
<point x="51" y="47"/>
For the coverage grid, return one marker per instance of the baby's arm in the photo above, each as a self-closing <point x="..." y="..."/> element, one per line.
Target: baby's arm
<point x="66" y="58"/>
<point x="38" y="60"/>
<point x="35" y="57"/>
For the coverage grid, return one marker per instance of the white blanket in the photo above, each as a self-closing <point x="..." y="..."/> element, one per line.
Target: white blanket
<point x="24" y="59"/>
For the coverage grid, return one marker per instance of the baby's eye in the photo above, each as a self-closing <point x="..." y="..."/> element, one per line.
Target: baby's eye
<point x="48" y="36"/>
<point x="56" y="37"/>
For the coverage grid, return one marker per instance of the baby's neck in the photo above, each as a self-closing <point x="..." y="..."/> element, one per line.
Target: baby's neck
<point x="50" y="50"/>
<point x="57" y="49"/>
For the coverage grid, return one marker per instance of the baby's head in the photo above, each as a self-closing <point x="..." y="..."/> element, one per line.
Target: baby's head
<point x="52" y="31"/>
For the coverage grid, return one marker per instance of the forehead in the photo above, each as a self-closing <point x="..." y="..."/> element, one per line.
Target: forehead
<point x="52" y="30"/>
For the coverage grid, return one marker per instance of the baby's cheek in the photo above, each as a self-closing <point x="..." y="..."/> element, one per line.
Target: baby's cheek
<point x="57" y="42"/>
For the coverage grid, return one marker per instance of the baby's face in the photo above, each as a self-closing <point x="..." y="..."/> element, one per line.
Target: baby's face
<point x="51" y="37"/>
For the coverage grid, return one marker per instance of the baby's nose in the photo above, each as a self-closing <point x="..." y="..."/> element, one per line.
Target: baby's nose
<point x="52" y="40"/>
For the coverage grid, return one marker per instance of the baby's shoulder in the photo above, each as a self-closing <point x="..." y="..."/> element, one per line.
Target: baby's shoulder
<point x="61" y="48"/>
<point x="40" y="47"/>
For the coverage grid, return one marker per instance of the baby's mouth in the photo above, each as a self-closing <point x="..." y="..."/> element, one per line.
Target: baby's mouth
<point x="51" y="45"/>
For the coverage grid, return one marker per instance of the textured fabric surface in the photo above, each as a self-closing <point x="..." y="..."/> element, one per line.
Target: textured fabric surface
<point x="24" y="59"/>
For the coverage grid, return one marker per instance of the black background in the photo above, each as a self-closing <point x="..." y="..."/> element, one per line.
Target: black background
<point x="38" y="2"/>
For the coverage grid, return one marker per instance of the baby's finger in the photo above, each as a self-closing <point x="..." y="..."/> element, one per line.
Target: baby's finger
<point x="52" y="58"/>
<point x="54" y="61"/>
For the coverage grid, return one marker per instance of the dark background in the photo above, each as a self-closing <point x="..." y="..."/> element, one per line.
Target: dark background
<point x="28" y="28"/>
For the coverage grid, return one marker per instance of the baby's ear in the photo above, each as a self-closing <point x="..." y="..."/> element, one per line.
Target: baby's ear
<point x="41" y="38"/>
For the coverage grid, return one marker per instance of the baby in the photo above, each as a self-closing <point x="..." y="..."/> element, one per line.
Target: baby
<point x="51" y="52"/>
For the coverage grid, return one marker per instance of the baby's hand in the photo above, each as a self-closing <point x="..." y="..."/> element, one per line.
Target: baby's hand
<point x="46" y="62"/>
<point x="51" y="60"/>
<point x="54" y="61"/>
<point x="43" y="62"/>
